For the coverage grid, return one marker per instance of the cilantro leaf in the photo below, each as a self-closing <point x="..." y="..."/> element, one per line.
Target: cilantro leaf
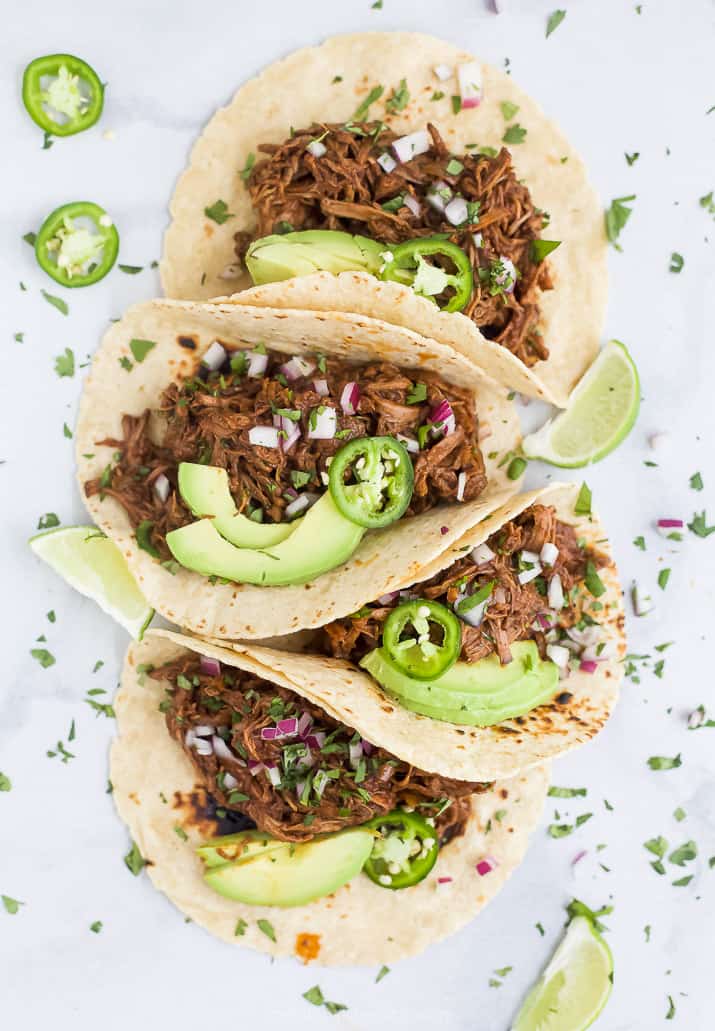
<point x="134" y="861"/>
<point x="143" y="535"/>
<point x="616" y="217"/>
<point x="47" y="521"/>
<point x="676" y="262"/>
<point x="583" y="501"/>
<point x="632" y="158"/>
<point x="131" y="270"/>
<point x="64" y="363"/>
<point x="541" y="248"/>
<point x="362" y="110"/>
<point x="663" y="577"/>
<point x="663" y="762"/>
<point x="514" y="134"/>
<point x="218" y="212"/>
<point x="553" y="22"/>
<point x="56" y="302"/>
<point x="11" y="905"/>
<point x="267" y="927"/>
<point x="141" y="348"/>
<point x="5" y="782"/>
<point x="45" y="658"/>
<point x="245" y="172"/>
<point x="400" y="98"/>
<point x="240" y="928"/>
<point x="696" y="482"/>
<point x="508" y="110"/>
<point x="416" y="394"/>
<point x="699" y="525"/>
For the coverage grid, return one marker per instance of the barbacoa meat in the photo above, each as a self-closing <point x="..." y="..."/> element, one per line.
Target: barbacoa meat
<point x="513" y="607"/>
<point x="208" y="420"/>
<point x="234" y="707"/>
<point x="346" y="189"/>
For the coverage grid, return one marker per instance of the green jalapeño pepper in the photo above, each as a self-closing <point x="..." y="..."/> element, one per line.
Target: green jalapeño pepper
<point x="423" y="638"/>
<point x="77" y="254"/>
<point x="408" y="266"/>
<point x="404" y="852"/>
<point x="371" y="480"/>
<point x="71" y="98"/>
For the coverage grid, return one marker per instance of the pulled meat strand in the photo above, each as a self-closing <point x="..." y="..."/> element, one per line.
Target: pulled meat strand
<point x="345" y="189"/>
<point x="240" y="705"/>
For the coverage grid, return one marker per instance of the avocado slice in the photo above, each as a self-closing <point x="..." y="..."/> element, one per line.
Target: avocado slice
<point x="323" y="540"/>
<point x="295" y="875"/>
<point x="282" y="256"/>
<point x="238" y="848"/>
<point x="205" y="490"/>
<point x="476" y="694"/>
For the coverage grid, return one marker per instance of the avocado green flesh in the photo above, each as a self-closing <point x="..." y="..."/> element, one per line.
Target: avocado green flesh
<point x="282" y="256"/>
<point x="295" y="875"/>
<point x="238" y="848"/>
<point x="477" y="694"/>
<point x="205" y="490"/>
<point x="323" y="540"/>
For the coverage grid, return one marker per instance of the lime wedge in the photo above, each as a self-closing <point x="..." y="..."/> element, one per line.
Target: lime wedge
<point x="600" y="413"/>
<point x="575" y="986"/>
<point x="95" y="567"/>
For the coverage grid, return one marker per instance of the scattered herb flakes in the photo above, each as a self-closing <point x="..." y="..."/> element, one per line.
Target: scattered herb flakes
<point x="131" y="270"/>
<point x="583" y="501"/>
<point x="699" y="525"/>
<point x="555" y="792"/>
<point x="560" y="830"/>
<point x="696" y="482"/>
<point x="143" y="536"/>
<point x="632" y="158"/>
<point x="361" y="111"/>
<point x="180" y="832"/>
<point x="314" y="996"/>
<point x="11" y="905"/>
<point x="377" y="6"/>
<point x="141" y="348"/>
<point x="30" y="238"/>
<point x="708" y="203"/>
<point x="64" y="363"/>
<point x="456" y="103"/>
<point x="509" y="110"/>
<point x="336" y="78"/>
<point x="45" y="658"/>
<point x="663" y="762"/>
<point x="125" y="363"/>
<point x="96" y="927"/>
<point x="19" y="338"/>
<point x="399" y="99"/>
<point x="98" y="665"/>
<point x="539" y="927"/>
<point x="240" y="928"/>
<point x="616" y="217"/>
<point x="514" y="134"/>
<point x="663" y="577"/>
<point x="5" y="782"/>
<point x="671" y="1008"/>
<point x="382" y="972"/>
<point x="697" y="720"/>
<point x="646" y="932"/>
<point x="218" y="212"/>
<point x="685" y="853"/>
<point x="100" y="708"/>
<point x="682" y="882"/>
<point x="676" y="262"/>
<point x="267" y="927"/>
<point x="48" y="520"/>
<point x="245" y="172"/>
<point x="437" y="95"/>
<point x="56" y="302"/>
<point x="66" y="431"/>
<point x="639" y="542"/>
<point x="594" y="583"/>
<point x="657" y="846"/>
<point x="134" y="861"/>
<point x="541" y="248"/>
<point x="553" y="21"/>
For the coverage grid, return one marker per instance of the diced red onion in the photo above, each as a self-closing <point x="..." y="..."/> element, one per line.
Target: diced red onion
<point x="325" y="424"/>
<point x="350" y="398"/>
<point x="257" y="364"/>
<point x="558" y="655"/>
<point x="296" y="367"/>
<point x="552" y="636"/>
<point x="214" y="356"/>
<point x="221" y="749"/>
<point x="299" y="789"/>
<point x="367" y="748"/>
<point x="229" y="781"/>
<point x="589" y="635"/>
<point x="386" y="162"/>
<point x="273" y="774"/>
<point x="412" y="145"/>
<point x="667" y="526"/>
<point x="527" y="575"/>
<point x="544" y="621"/>
<point x="268" y="733"/>
<point x="549" y="553"/>
<point x="443" y="881"/>
<point x="317" y="148"/>
<point x="254" y="767"/>
<point x="204" y="730"/>
<point x="482" y="554"/>
<point x="413" y="204"/>
<point x="469" y="76"/>
<point x="293" y="436"/>
<point x="456" y="211"/>
<point x="642" y="603"/>
<point x="264" y="436"/>
<point x="211" y="667"/>
<point x="316" y="740"/>
<point x="307" y="761"/>
<point x="461" y="484"/>
<point x="321" y="387"/>
<point x="435" y="196"/>
<point x="387" y="599"/>
<point x="162" y="487"/>
<point x="412" y="445"/>
<point x="290" y="494"/>
<point x="588" y="666"/>
<point x="305" y="722"/>
<point x="443" y="530"/>
<point x="578" y="857"/>
<point x="287" y="727"/>
<point x="442" y="413"/>
<point x="486" y="865"/>
<point x="555" y="593"/>
<point x="299" y="505"/>
<point x="443" y="72"/>
<point x="355" y="750"/>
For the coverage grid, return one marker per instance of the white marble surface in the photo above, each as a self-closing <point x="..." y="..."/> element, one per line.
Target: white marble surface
<point x="618" y="81"/>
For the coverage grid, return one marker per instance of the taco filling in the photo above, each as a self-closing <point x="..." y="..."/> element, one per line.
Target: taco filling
<point x="495" y="634"/>
<point x="286" y="772"/>
<point x="272" y="452"/>
<point x="460" y="229"/>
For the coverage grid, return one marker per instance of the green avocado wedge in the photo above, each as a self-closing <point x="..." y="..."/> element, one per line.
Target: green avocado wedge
<point x="205" y="490"/>
<point x="238" y="848"/>
<point x="282" y="256"/>
<point x="478" y="694"/>
<point x="323" y="540"/>
<point x="296" y="874"/>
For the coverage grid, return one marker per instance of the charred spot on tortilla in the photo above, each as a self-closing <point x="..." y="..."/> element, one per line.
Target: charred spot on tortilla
<point x="187" y="342"/>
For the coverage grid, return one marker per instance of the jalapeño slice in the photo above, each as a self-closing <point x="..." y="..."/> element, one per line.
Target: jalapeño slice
<point x="423" y="638"/>
<point x="408" y="266"/>
<point x="371" y="481"/>
<point x="404" y="852"/>
<point x="70" y="102"/>
<point x="77" y="244"/>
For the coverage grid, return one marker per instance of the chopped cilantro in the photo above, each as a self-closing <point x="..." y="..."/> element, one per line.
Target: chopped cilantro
<point x="247" y="168"/>
<point x="267" y="927"/>
<point x="400" y="98"/>
<point x="64" y="363"/>
<point x="708" y="203"/>
<point x="30" y="238"/>
<point x="663" y="577"/>
<point x="96" y="927"/>
<point x="676" y="262"/>
<point x="218" y="212"/>
<point x="594" y="583"/>
<point x="361" y="111"/>
<point x="180" y="832"/>
<point x="382" y="972"/>
<point x="5" y="782"/>
<point x="671" y="1008"/>
<point x="456" y="104"/>
<point x="134" y="861"/>
<point x="514" y="134"/>
<point x="553" y="21"/>
<point x="56" y="302"/>
<point x="131" y="270"/>
<point x="48" y="520"/>
<point x="699" y="525"/>
<point x="663" y="762"/>
<point x="508" y="110"/>
<point x="437" y="95"/>
<point x="632" y="158"/>
<point x="454" y="167"/>
<point x="143" y="536"/>
<point x="541" y="248"/>
<point x="555" y="792"/>
<point x="125" y="363"/>
<point x="141" y="348"/>
<point x="583" y="501"/>
<point x="66" y="431"/>
<point x="19" y="338"/>
<point x="616" y="217"/>
<point x="240" y="928"/>
<point x="683" y="854"/>
<point x="45" y="658"/>
<point x="696" y="482"/>
<point x="11" y="905"/>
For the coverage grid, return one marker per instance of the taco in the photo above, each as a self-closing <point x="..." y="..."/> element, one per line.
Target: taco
<point x="266" y="471"/>
<point x="392" y="159"/>
<point x="504" y="652"/>
<point x="269" y="821"/>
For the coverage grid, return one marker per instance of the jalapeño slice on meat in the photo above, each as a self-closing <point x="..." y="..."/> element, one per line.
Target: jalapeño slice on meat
<point x="404" y="852"/>
<point x="408" y="266"/>
<point x="371" y="481"/>
<point x="77" y="244"/>
<point x="62" y="94"/>
<point x="423" y="638"/>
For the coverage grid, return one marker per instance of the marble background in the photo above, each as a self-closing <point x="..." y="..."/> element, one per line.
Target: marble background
<point x="618" y="81"/>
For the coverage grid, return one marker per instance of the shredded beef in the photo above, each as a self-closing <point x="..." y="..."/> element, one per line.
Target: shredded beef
<point x="346" y="188"/>
<point x="238" y="706"/>
<point x="209" y="421"/>
<point x="513" y="607"/>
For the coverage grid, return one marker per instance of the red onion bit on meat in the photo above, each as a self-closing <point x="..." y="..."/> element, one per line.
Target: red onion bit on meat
<point x="486" y="865"/>
<point x="350" y="398"/>
<point x="296" y="367"/>
<point x="588" y="666"/>
<point x="211" y="667"/>
<point x="321" y="387"/>
<point x="469" y="77"/>
<point x="443" y="419"/>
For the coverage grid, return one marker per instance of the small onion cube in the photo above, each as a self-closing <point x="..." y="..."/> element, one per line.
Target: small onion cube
<point x="461" y="484"/>
<point x="367" y="748"/>
<point x="162" y="487"/>
<point x="412" y="445"/>
<point x="325" y="424"/>
<point x="413" y="204"/>
<point x="529" y="556"/>
<point x="273" y="774"/>
<point x="254" y="767"/>
<point x="257" y="364"/>
<point x="549" y="553"/>
<point x="696" y="718"/>
<point x="443" y="414"/>
<point x="317" y="148"/>
<point x="456" y="211"/>
<point x="387" y="599"/>
<point x="558" y="655"/>
<point x="321" y="387"/>
<point x="316" y="740"/>
<point x="287" y="727"/>
<point x="486" y="865"/>
<point x="355" y="751"/>
<point x="221" y="749"/>
<point x="642" y="603"/>
<point x="299" y="788"/>
<point x="293" y="436"/>
<point x="412" y="145"/>
<point x="386" y="162"/>
<point x="229" y="781"/>
<point x="555" y="593"/>
<point x="189" y="738"/>
<point x="305" y="722"/>
<point x="296" y="507"/>
<point x="589" y="634"/>
<point x="203" y="730"/>
<point x="438" y="196"/>
<point x="443" y="72"/>
<point x="211" y="667"/>
<point x="296" y="367"/>
<point x="444" y="530"/>
<point x="203" y="747"/>
<point x="527" y="575"/>
<point x="264" y="436"/>
<point x="482" y="554"/>
<point x="469" y="77"/>
<point x="666" y="527"/>
<point x="350" y="398"/>
<point x="214" y="356"/>
<point x="506" y="278"/>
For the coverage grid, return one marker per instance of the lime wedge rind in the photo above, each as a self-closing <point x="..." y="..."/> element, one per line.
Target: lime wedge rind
<point x="601" y="412"/>
<point x="575" y="986"/>
<point x="95" y="567"/>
